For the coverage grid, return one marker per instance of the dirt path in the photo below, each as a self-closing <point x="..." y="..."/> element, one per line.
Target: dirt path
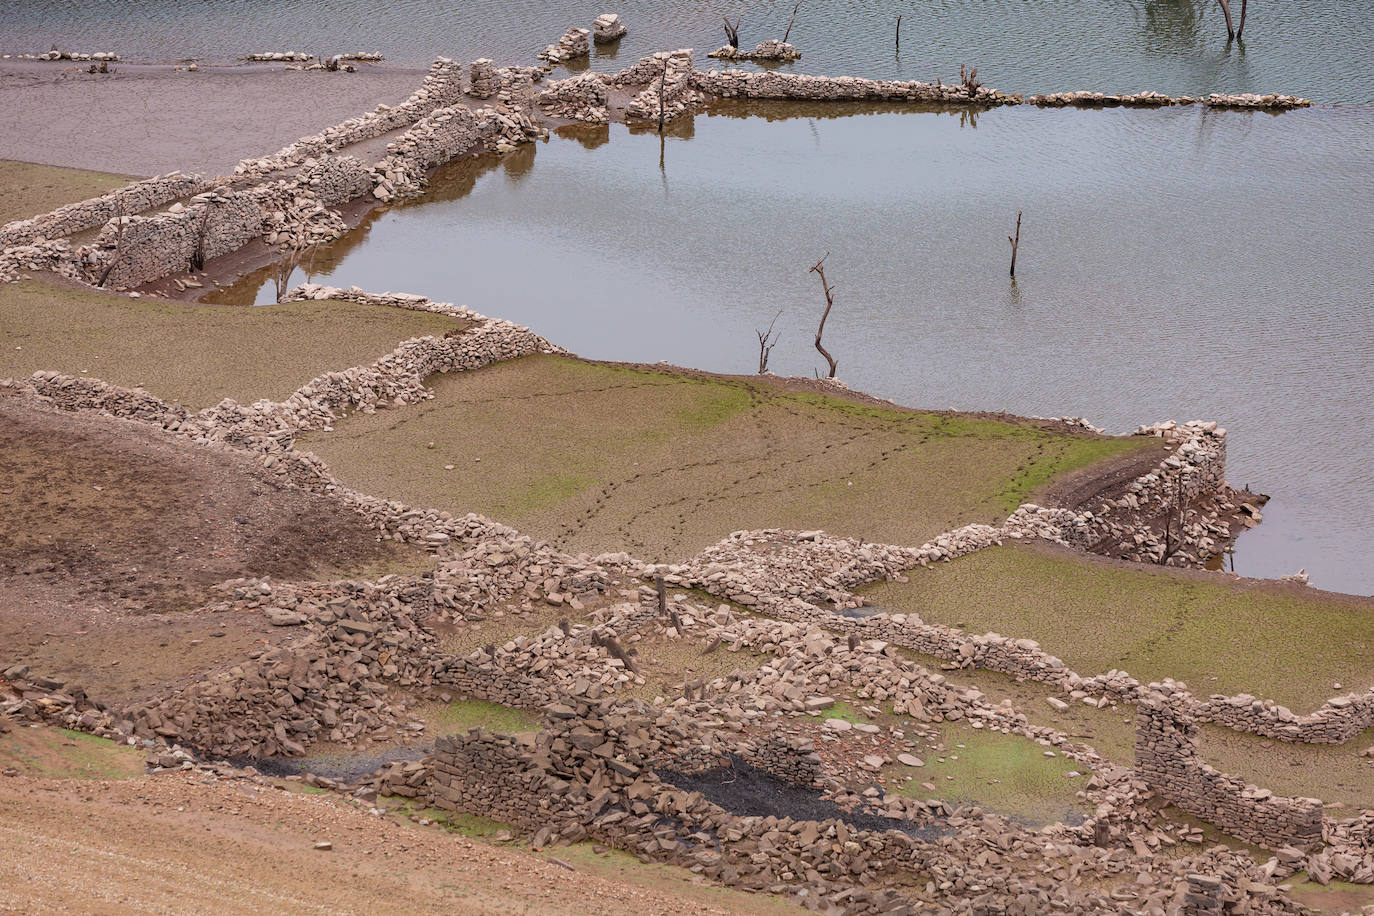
<point x="147" y="119"/>
<point x="185" y="842"/>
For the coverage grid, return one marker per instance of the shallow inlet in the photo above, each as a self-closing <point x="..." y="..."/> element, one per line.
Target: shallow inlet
<point x="1174" y="264"/>
<point x="1312" y="48"/>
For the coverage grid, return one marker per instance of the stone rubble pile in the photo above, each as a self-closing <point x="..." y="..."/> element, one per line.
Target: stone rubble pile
<point x="607" y="28"/>
<point x="572" y="45"/>
<point x="582" y="98"/>
<point x="670" y="88"/>
<point x="56" y="257"/>
<point x="772" y="49"/>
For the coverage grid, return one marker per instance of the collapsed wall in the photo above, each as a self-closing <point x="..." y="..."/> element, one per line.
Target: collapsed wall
<point x="1167" y="759"/>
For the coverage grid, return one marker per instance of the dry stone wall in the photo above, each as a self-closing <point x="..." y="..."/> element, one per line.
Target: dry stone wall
<point x="672" y="87"/>
<point x="442" y="87"/>
<point x="88" y="214"/>
<point x="1167" y="759"/>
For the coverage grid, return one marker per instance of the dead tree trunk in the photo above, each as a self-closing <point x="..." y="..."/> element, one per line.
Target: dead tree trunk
<point x="819" y="269"/>
<point x="118" y="249"/>
<point x="1240" y="29"/>
<point x="662" y="101"/>
<point x="198" y="256"/>
<point x="765" y="346"/>
<point x="899" y="34"/>
<point x="791" y="21"/>
<point x="1226" y="11"/>
<point x="732" y="32"/>
<point x="1015" y="243"/>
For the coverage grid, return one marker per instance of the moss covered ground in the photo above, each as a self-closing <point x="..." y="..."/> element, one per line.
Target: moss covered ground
<point x="195" y="354"/>
<point x="663" y="462"/>
<point x="60" y="753"/>
<point x="1009" y="774"/>
<point x="28" y="189"/>
<point x="1216" y="634"/>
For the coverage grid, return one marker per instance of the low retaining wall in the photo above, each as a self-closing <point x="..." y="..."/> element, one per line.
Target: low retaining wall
<point x="133" y="250"/>
<point x="442" y="86"/>
<point x="88" y="214"/>
<point x="1167" y="759"/>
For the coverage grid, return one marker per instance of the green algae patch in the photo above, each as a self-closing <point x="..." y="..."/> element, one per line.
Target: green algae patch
<point x="28" y="189"/>
<point x="1217" y="635"/>
<point x="192" y="354"/>
<point x="461" y="715"/>
<point x="663" y="462"/>
<point x="1009" y="774"/>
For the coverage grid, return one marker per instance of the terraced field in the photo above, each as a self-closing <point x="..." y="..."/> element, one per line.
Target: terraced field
<point x="662" y="462"/>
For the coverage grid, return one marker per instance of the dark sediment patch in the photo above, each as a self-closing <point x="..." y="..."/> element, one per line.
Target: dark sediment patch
<point x="748" y="791"/>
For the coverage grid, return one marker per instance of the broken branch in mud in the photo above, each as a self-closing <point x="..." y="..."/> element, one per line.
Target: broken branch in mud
<point x="819" y="269"/>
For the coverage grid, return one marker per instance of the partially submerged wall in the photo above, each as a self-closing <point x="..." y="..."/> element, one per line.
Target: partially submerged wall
<point x="1167" y="759"/>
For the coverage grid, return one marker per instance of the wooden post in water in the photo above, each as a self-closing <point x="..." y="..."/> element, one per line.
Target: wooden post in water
<point x="791" y="21"/>
<point x="899" y="34"/>
<point x="1015" y="243"/>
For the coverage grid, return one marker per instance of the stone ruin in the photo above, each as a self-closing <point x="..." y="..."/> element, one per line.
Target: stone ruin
<point x="1167" y="759"/>
<point x="572" y="45"/>
<point x="773" y="49"/>
<point x="607" y="28"/>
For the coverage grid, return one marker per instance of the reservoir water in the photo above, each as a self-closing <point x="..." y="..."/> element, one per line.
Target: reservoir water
<point x="1177" y="263"/>
<point x="1315" y="48"/>
<point x="1173" y="264"/>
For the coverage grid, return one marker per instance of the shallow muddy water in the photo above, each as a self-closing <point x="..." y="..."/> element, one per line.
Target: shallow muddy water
<point x="1173" y="264"/>
<point x="1316" y="49"/>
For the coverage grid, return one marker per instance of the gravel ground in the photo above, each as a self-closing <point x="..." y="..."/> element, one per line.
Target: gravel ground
<point x="186" y="842"/>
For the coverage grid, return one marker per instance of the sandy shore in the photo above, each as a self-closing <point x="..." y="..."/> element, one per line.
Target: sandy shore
<point x="148" y="119"/>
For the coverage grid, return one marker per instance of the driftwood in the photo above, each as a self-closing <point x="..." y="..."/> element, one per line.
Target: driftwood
<point x="766" y="343"/>
<point x="819" y="269"/>
<point x="1015" y="244"/>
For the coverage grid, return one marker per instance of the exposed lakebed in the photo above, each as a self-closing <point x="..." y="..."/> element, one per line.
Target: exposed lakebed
<point x="1178" y="263"/>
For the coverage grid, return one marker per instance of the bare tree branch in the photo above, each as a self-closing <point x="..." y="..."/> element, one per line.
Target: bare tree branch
<point x="765" y="347"/>
<point x="819" y="269"/>
<point x="792" y="20"/>
<point x="1015" y="244"/>
<point x="119" y="246"/>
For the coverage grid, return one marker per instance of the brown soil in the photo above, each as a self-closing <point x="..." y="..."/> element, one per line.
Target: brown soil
<point x="148" y="119"/>
<point x="180" y="842"/>
<point x="114" y="532"/>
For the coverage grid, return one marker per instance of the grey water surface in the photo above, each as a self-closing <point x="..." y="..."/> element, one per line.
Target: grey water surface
<point x="1316" y="48"/>
<point x="1173" y="264"/>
